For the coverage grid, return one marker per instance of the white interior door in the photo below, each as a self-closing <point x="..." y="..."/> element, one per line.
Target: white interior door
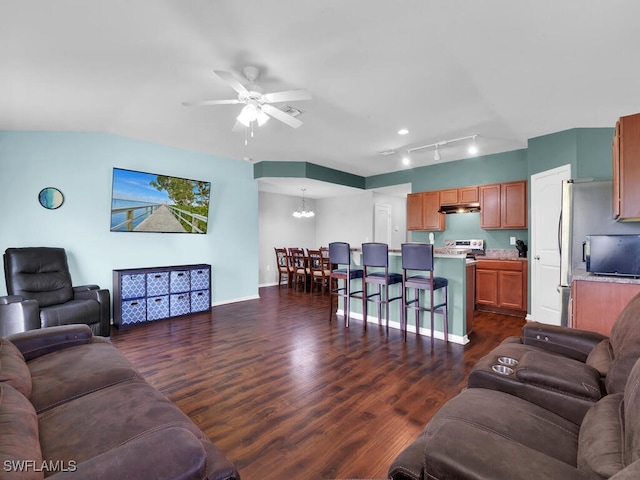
<point x="382" y="223"/>
<point x="544" y="257"/>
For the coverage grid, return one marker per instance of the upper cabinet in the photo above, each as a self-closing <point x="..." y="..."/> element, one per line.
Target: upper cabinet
<point x="503" y="205"/>
<point x="626" y="169"/>
<point x="454" y="196"/>
<point x="422" y="211"/>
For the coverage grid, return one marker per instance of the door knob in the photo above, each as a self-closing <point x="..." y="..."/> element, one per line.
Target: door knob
<point x="537" y="257"/>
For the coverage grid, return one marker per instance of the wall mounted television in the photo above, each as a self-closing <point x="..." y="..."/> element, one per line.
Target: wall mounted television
<point x="149" y="202"/>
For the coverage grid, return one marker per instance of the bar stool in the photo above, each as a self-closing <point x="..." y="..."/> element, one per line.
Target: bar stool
<point x="340" y="254"/>
<point x="419" y="256"/>
<point x="376" y="255"/>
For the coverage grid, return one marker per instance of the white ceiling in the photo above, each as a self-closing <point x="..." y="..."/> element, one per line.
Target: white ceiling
<point x="502" y="69"/>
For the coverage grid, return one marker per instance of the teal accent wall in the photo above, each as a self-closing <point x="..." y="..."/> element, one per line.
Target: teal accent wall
<point x="307" y="170"/>
<point x="587" y="150"/>
<point x="81" y="166"/>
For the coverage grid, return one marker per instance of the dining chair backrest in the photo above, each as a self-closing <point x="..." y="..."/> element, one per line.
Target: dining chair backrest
<point x="417" y="256"/>
<point x="282" y="259"/>
<point x="339" y="253"/>
<point x="375" y="254"/>
<point x="298" y="257"/>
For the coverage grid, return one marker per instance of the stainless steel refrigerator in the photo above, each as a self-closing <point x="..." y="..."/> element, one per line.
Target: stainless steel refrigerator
<point x="587" y="209"/>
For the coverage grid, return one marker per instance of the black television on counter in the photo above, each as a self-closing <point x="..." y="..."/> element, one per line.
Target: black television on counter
<point x="150" y="202"/>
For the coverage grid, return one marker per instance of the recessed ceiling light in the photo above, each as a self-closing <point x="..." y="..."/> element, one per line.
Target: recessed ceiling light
<point x="403" y="131"/>
<point x="406" y="160"/>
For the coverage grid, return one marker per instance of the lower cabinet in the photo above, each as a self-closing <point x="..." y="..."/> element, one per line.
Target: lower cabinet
<point x="595" y="305"/>
<point x="501" y="286"/>
<point x="146" y="294"/>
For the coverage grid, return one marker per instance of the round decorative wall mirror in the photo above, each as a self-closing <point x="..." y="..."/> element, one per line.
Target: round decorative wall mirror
<point x="51" y="198"/>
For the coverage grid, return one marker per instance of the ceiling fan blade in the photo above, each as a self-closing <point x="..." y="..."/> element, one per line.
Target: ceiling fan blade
<point x="211" y="102"/>
<point x="280" y="115"/>
<point x="232" y="81"/>
<point x="288" y="96"/>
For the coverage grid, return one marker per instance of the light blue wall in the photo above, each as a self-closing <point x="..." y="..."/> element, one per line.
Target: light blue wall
<point x="80" y="165"/>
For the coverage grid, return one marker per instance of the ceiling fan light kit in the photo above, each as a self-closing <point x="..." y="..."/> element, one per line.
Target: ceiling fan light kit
<point x="258" y="106"/>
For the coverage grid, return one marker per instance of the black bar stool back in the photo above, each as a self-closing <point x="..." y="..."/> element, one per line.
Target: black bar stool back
<point x="419" y="257"/>
<point x="340" y="254"/>
<point x="376" y="255"/>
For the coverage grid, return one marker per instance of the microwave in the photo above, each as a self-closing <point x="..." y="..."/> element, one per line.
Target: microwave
<point x="613" y="255"/>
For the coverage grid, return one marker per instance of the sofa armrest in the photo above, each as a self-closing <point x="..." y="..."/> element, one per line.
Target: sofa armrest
<point x="36" y="343"/>
<point x="18" y="315"/>
<point x="85" y="288"/>
<point x="103" y="297"/>
<point x="172" y="452"/>
<point x="569" y="342"/>
<point x="461" y="450"/>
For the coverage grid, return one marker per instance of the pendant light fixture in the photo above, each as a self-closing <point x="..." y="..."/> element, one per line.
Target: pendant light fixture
<point x="303" y="212"/>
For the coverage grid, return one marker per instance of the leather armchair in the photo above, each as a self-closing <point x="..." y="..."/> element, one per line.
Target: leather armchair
<point x="40" y="294"/>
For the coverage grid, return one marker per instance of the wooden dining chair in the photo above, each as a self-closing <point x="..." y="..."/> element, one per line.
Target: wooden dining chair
<point x="319" y="268"/>
<point x="285" y="272"/>
<point x="300" y="267"/>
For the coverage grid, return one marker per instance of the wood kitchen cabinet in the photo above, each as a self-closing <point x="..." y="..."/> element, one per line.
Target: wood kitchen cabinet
<point x="454" y="196"/>
<point x="595" y="305"/>
<point x="626" y="168"/>
<point x="501" y="286"/>
<point x="422" y="212"/>
<point x="503" y="205"/>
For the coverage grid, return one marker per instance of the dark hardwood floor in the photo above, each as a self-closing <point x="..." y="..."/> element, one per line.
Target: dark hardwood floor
<point x="287" y="395"/>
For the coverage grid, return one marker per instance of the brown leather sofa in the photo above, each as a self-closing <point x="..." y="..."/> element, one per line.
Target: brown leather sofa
<point x="72" y="406"/>
<point x="562" y="369"/>
<point x="569" y="409"/>
<point x="488" y="434"/>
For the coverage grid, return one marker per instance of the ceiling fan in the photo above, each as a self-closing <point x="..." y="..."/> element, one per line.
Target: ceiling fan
<point x="257" y="104"/>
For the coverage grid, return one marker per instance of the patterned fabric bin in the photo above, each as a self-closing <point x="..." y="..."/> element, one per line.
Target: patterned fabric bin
<point x="180" y="304"/>
<point x="134" y="311"/>
<point x="179" y="281"/>
<point x="157" y="284"/>
<point x="157" y="307"/>
<point x="200" y="279"/>
<point x="133" y="286"/>
<point x="200" y="301"/>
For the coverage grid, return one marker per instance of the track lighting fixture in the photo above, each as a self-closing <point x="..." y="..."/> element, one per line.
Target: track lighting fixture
<point x="473" y="148"/>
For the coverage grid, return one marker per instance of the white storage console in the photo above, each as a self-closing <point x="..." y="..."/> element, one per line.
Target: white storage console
<point x="145" y="294"/>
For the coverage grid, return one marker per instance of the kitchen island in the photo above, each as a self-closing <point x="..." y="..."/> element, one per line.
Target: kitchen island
<point x="453" y="267"/>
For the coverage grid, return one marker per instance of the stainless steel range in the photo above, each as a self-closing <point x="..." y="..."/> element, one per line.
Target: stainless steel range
<point x="471" y="247"/>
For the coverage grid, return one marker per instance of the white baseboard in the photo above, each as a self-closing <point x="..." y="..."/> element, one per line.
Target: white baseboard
<point x="235" y="300"/>
<point x="461" y="340"/>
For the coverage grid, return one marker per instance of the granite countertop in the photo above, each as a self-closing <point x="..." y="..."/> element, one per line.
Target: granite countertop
<point x="582" y="274"/>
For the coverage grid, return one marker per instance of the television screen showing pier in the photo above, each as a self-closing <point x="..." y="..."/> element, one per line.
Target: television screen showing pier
<point x="148" y="202"/>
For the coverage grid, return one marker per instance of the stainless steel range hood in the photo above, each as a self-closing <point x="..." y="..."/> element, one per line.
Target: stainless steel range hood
<point x="460" y="208"/>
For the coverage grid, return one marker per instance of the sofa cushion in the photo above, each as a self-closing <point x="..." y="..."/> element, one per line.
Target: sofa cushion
<point x="600" y="442"/>
<point x="20" y="455"/>
<point x="76" y="371"/>
<point x="13" y="368"/>
<point x="601" y="357"/>
<point x="625" y="344"/>
<point x="94" y="425"/>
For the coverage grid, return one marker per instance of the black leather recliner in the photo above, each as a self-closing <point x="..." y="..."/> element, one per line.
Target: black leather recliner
<point x="40" y="294"/>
